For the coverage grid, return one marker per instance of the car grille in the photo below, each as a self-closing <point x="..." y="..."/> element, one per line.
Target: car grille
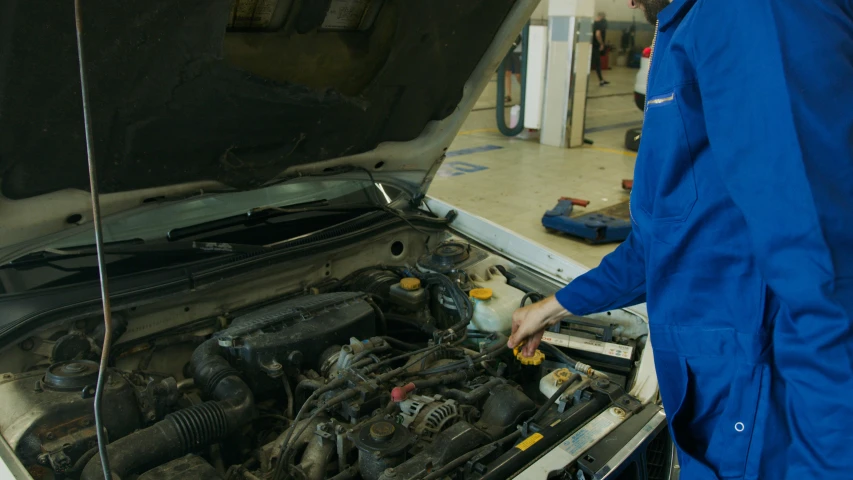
<point x="658" y="456"/>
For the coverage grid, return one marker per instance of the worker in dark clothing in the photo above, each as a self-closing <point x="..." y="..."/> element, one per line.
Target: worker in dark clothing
<point x="514" y="56"/>
<point x="599" y="35"/>
<point x="742" y="237"/>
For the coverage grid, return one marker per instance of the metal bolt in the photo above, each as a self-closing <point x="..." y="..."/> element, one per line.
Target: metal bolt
<point x="49" y="436"/>
<point x="391" y="472"/>
<point x="43" y="458"/>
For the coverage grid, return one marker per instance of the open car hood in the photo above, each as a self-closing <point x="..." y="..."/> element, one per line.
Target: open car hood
<point x="196" y="95"/>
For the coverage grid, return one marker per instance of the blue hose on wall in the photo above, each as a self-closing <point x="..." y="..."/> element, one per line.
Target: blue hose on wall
<point x="500" y="112"/>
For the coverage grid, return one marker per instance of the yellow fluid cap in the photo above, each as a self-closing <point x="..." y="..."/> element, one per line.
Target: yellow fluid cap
<point x="410" y="284"/>
<point x="562" y="375"/>
<point x="481" y="293"/>
<point x="537" y="358"/>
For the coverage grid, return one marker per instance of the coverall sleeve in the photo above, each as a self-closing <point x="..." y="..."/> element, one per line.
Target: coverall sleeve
<point x="776" y="79"/>
<point x="619" y="281"/>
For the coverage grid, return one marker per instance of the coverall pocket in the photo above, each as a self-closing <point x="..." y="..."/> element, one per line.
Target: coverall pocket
<point x="731" y="444"/>
<point x="676" y="392"/>
<point x="665" y="166"/>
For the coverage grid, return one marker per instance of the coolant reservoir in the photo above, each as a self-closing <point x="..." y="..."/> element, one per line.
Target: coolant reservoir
<point x="549" y="384"/>
<point x="494" y="303"/>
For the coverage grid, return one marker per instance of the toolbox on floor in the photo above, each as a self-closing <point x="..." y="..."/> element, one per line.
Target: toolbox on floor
<point x="612" y="224"/>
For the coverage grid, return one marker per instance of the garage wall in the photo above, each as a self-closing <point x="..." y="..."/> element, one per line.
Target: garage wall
<point x="618" y="11"/>
<point x="619" y="17"/>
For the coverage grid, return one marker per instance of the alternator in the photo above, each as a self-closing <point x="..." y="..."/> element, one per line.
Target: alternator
<point x="426" y="416"/>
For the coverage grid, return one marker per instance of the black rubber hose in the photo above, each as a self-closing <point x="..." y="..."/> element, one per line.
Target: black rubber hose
<point x="442" y="380"/>
<point x="559" y="354"/>
<point x="474" y="395"/>
<point x="460" y="300"/>
<point x="382" y="323"/>
<point x="119" y="327"/>
<point x="459" y="461"/>
<point x="460" y="364"/>
<point x="304" y="385"/>
<point x="419" y="324"/>
<point x="544" y="408"/>
<point x="490" y="352"/>
<point x="83" y="460"/>
<point x="513" y="281"/>
<point x="533" y="296"/>
<point x="401" y="344"/>
<point x="500" y="111"/>
<point x="189" y="429"/>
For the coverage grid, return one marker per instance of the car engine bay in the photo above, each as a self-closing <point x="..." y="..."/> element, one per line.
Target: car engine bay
<point x="396" y="369"/>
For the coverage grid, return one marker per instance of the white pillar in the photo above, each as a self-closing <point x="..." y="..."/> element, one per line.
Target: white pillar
<point x="567" y="72"/>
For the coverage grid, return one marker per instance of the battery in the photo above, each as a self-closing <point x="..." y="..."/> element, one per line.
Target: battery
<point x="591" y="349"/>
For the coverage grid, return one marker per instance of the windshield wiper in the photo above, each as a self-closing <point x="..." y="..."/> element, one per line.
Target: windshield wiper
<point x="258" y="216"/>
<point x="131" y="247"/>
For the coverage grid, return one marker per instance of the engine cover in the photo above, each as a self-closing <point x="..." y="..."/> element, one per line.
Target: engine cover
<point x="295" y="332"/>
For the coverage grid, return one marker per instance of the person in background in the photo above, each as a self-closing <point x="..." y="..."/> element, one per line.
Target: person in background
<point x="741" y="242"/>
<point x="514" y="68"/>
<point x="599" y="35"/>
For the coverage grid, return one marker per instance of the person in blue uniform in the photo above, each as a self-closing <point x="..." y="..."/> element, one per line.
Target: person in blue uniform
<point x="742" y="241"/>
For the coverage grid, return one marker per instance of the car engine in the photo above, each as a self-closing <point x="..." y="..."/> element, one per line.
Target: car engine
<point x="389" y="372"/>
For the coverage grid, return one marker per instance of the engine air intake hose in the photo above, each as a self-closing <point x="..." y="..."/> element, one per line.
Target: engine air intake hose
<point x="199" y="425"/>
<point x="189" y="429"/>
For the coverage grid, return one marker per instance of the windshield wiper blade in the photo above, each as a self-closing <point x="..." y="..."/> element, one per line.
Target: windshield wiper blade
<point x="132" y="247"/>
<point x="259" y="215"/>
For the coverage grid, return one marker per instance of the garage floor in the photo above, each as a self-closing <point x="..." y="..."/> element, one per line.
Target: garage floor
<point x="513" y="181"/>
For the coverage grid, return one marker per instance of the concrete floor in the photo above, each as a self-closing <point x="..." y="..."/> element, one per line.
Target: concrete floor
<point x="512" y="181"/>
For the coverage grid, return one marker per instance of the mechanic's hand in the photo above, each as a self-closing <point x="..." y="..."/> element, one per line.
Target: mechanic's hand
<point x="601" y="48"/>
<point x="530" y="322"/>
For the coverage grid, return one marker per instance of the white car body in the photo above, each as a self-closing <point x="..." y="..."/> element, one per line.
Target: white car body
<point x="642" y="79"/>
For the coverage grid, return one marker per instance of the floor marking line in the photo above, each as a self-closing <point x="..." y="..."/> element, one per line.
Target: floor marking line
<point x="614" y="126"/>
<point x="479" y="130"/>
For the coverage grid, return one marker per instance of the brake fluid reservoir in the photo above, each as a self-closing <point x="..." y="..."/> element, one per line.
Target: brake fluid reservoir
<point x="494" y="303"/>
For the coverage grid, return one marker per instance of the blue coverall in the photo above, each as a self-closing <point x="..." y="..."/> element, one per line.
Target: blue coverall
<point x="742" y="239"/>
